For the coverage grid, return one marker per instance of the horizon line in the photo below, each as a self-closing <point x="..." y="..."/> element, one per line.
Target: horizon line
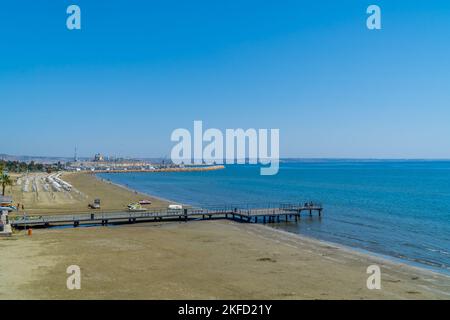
<point x="281" y="158"/>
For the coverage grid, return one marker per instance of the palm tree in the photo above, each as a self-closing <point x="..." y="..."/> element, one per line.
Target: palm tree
<point x="5" y="180"/>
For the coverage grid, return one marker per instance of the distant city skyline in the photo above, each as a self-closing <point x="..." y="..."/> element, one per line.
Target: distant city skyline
<point x="136" y="71"/>
<point x="27" y="157"/>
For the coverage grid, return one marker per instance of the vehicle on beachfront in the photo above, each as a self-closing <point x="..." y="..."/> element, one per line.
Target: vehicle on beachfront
<point x="175" y="207"/>
<point x="145" y="202"/>
<point x="95" y="204"/>
<point x="136" y="207"/>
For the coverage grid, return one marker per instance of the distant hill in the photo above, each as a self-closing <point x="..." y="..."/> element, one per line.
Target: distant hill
<point x="39" y="159"/>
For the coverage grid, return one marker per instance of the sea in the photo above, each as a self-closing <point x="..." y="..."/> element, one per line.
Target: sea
<point x="398" y="209"/>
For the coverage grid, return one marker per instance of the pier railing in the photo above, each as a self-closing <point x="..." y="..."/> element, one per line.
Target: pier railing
<point x="243" y="212"/>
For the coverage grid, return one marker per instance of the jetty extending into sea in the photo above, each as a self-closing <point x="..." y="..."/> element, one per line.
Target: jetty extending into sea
<point x="268" y="214"/>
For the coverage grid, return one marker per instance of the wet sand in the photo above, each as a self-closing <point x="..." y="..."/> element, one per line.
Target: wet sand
<point x="199" y="260"/>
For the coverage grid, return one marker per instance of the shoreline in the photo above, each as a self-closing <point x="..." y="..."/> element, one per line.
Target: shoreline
<point x="223" y="260"/>
<point x="295" y="266"/>
<point x="355" y="250"/>
<point x="383" y="258"/>
<point x="134" y="191"/>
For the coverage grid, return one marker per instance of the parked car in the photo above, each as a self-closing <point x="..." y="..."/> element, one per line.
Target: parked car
<point x="95" y="205"/>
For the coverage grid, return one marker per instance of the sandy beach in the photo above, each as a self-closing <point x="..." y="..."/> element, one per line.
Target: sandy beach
<point x="87" y="187"/>
<point x="199" y="260"/>
<point x="215" y="259"/>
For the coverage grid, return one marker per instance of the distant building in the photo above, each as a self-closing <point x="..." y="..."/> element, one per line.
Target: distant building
<point x="100" y="162"/>
<point x="103" y="163"/>
<point x="99" y="157"/>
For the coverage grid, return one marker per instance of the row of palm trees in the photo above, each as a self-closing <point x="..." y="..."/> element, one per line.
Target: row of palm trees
<point x="5" y="179"/>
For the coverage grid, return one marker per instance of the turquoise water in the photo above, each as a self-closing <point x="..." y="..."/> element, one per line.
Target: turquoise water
<point x="395" y="208"/>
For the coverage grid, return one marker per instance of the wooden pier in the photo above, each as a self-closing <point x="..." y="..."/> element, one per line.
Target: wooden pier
<point x="270" y="214"/>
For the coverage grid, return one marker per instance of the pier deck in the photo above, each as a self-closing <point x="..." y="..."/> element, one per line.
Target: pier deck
<point x="289" y="212"/>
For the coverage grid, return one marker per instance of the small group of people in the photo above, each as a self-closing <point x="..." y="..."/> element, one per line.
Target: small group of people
<point x="308" y="205"/>
<point x="18" y="207"/>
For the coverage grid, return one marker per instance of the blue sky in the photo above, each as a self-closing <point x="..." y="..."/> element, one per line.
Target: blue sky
<point x="139" y="69"/>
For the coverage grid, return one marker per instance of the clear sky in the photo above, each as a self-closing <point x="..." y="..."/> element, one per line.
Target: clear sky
<point x="139" y="69"/>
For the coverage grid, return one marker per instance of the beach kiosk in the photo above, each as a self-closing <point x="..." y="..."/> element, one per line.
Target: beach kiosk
<point x="5" y="226"/>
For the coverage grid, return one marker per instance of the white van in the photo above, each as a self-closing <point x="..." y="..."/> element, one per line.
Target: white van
<point x="175" y="207"/>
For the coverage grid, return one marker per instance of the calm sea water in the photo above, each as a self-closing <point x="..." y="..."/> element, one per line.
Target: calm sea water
<point x="395" y="208"/>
